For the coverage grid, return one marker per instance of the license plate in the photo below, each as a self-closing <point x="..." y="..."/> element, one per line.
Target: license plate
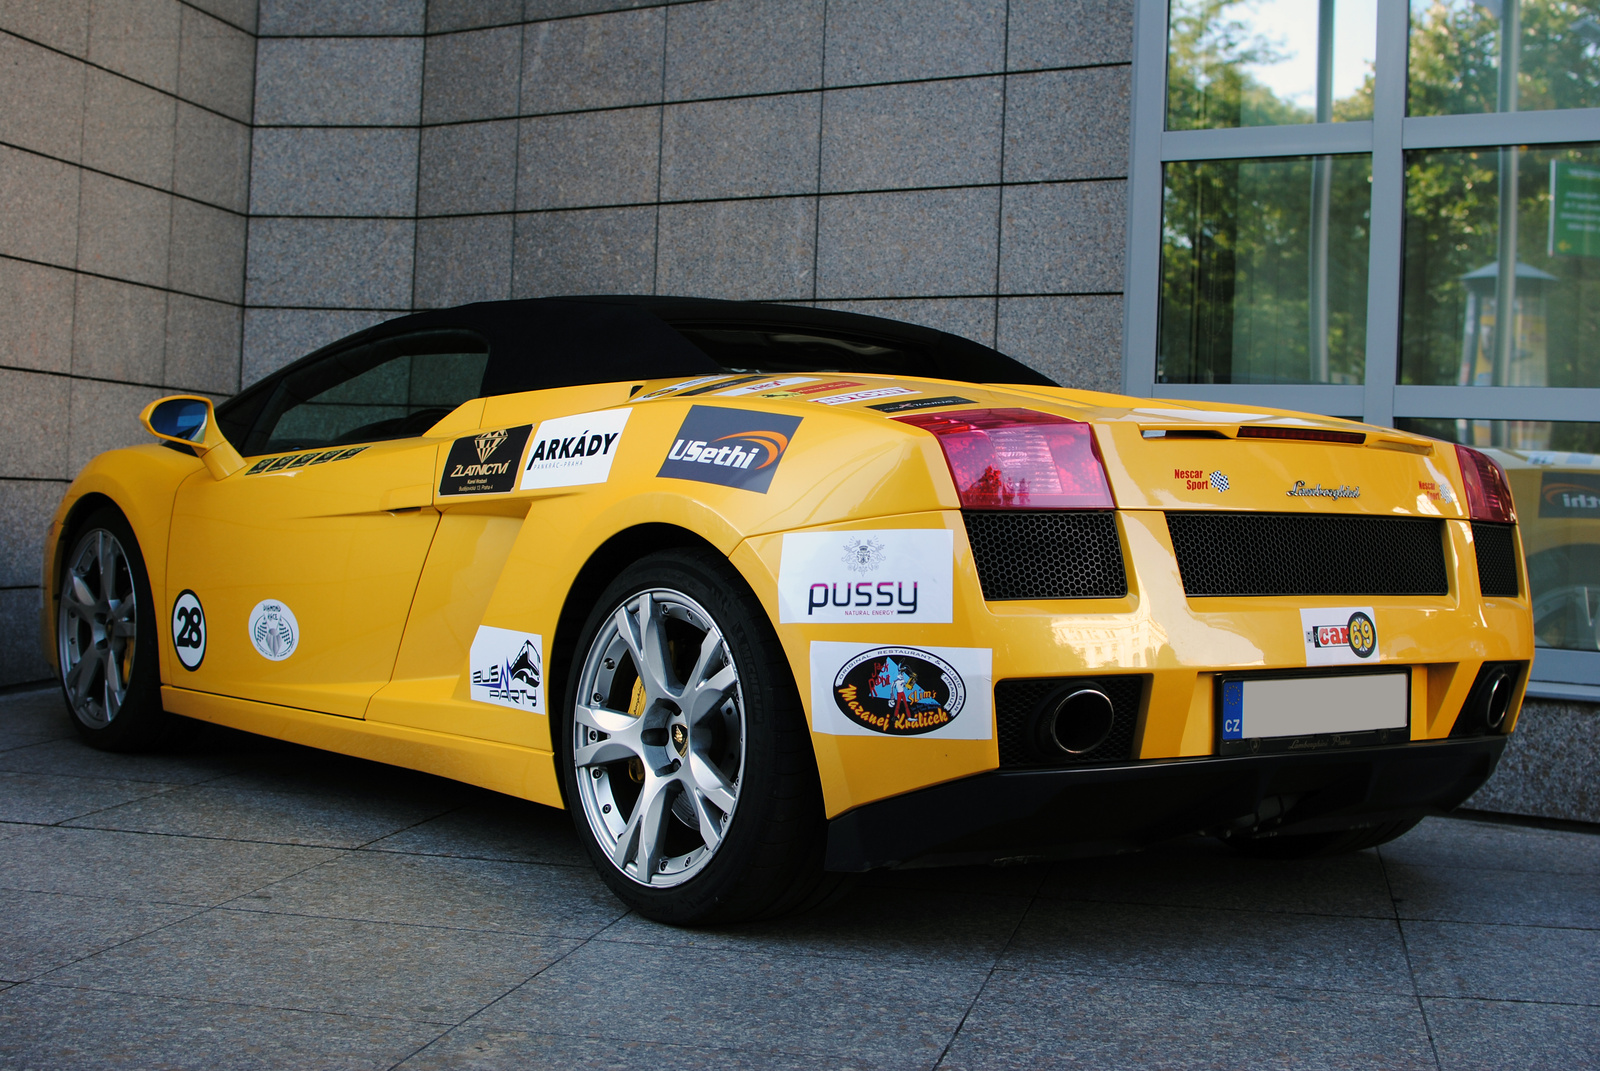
<point x="1307" y="713"/>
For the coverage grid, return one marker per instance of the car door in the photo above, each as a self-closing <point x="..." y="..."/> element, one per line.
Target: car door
<point x="480" y="522"/>
<point x="304" y="562"/>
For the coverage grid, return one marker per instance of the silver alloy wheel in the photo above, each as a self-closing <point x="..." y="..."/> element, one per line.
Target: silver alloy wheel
<point x="96" y="628"/>
<point x="658" y="737"/>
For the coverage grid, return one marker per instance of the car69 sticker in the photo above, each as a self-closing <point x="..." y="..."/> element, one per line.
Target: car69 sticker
<point x="508" y="668"/>
<point x="864" y="690"/>
<point x="1340" y="636"/>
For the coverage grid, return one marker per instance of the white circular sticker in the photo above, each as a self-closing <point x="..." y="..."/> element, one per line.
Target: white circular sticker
<point x="189" y="630"/>
<point x="274" y="630"/>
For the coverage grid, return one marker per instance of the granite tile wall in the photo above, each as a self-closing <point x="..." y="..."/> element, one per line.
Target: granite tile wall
<point x="952" y="161"/>
<point x="124" y="182"/>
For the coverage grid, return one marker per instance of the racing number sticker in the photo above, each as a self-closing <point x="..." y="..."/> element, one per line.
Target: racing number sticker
<point x="189" y="630"/>
<point x="1363" y="637"/>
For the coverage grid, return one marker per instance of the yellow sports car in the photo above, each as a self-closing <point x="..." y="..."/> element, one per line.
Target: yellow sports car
<point x="769" y="595"/>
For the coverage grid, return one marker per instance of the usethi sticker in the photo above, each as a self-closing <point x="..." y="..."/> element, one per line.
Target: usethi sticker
<point x="891" y="574"/>
<point x="508" y="668"/>
<point x="574" y="450"/>
<point x="889" y="690"/>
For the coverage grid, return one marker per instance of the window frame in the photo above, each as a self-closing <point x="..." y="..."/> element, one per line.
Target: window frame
<point x="1557" y="674"/>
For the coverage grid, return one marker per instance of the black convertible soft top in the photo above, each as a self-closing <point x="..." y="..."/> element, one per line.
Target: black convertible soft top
<point x="536" y="343"/>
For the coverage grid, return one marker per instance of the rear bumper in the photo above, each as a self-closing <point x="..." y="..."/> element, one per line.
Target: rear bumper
<point x="1012" y="814"/>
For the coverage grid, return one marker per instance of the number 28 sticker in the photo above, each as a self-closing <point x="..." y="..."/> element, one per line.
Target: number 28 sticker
<point x="189" y="630"/>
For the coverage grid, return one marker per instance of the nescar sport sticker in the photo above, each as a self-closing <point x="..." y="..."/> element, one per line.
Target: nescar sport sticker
<point x="1340" y="636"/>
<point x="484" y="464"/>
<point x="938" y="692"/>
<point x="273" y="630"/>
<point x="733" y="447"/>
<point x="897" y="574"/>
<point x="508" y="668"/>
<point x="573" y="450"/>
<point x="189" y="630"/>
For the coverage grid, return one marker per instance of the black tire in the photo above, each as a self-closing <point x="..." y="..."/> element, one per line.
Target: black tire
<point x="1320" y="845"/>
<point x="93" y="631"/>
<point x="756" y="844"/>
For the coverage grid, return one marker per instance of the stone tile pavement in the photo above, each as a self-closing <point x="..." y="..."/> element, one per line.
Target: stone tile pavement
<point x="245" y="903"/>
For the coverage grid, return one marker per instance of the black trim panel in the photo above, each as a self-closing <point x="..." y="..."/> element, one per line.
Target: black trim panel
<point x="1045" y="813"/>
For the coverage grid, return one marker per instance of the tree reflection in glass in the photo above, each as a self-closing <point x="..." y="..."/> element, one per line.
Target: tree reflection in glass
<point x="1269" y="62"/>
<point x="1461" y="236"/>
<point x="1461" y="63"/>
<point x="1264" y="270"/>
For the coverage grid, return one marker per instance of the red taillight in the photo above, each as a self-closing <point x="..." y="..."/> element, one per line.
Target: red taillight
<point x="1488" y="494"/>
<point x="1019" y="459"/>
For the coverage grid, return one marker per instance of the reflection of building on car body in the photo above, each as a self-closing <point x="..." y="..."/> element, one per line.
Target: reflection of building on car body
<point x="759" y="639"/>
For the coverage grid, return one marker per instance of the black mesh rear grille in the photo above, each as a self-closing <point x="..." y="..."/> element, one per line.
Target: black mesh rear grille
<point x="1019" y="703"/>
<point x="1060" y="554"/>
<point x="1496" y="545"/>
<point x="1297" y="554"/>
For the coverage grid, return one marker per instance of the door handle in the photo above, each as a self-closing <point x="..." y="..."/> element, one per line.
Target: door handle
<point x="406" y="498"/>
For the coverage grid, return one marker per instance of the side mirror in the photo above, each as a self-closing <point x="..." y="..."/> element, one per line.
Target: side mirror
<point x="192" y="421"/>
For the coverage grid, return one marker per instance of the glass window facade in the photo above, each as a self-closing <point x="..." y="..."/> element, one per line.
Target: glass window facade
<point x="1264" y="270"/>
<point x="1516" y="228"/>
<point x="1387" y="209"/>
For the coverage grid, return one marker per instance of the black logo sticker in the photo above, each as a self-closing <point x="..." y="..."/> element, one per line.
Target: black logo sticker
<point x="189" y="630"/>
<point x="1569" y="494"/>
<point x="901" y="691"/>
<point x="733" y="447"/>
<point x="484" y="464"/>
<point x="920" y="403"/>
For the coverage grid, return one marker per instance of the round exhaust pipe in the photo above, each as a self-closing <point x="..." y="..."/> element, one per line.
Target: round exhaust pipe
<point x="1080" y="722"/>
<point x="1497" y="699"/>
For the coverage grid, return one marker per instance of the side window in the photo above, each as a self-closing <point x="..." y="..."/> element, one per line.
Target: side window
<point x="392" y="389"/>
